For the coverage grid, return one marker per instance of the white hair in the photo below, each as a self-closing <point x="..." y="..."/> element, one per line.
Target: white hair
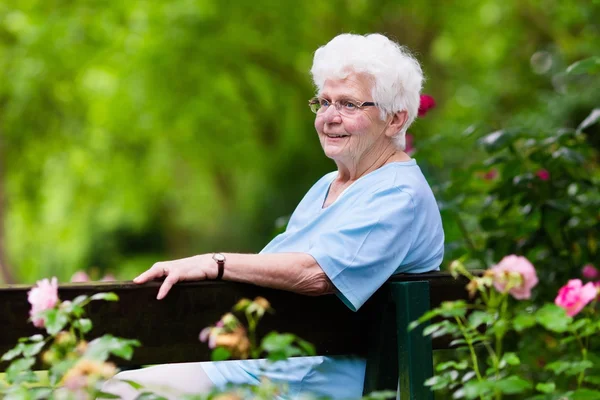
<point x="397" y="75"/>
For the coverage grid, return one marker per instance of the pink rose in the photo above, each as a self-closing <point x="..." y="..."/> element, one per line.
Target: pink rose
<point x="427" y="103"/>
<point x="589" y="272"/>
<point x="210" y="334"/>
<point x="43" y="296"/>
<point x="574" y="296"/>
<point x="409" y="148"/>
<point x="543" y="174"/>
<point x="108" y="278"/>
<point x="490" y="175"/>
<point x="515" y="274"/>
<point x="80" y="276"/>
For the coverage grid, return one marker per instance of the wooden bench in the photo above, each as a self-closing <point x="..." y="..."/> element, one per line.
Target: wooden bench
<point x="168" y="329"/>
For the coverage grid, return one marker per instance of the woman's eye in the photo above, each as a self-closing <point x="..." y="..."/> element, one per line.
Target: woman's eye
<point x="348" y="104"/>
<point x="324" y="103"/>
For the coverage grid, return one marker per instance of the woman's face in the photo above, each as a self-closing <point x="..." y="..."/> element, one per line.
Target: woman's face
<point x="350" y="139"/>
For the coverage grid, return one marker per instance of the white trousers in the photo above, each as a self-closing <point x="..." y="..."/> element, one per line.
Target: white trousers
<point x="168" y="380"/>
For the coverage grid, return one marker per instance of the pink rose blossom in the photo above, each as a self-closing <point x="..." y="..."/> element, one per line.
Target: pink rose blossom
<point x="75" y="382"/>
<point x="43" y="296"/>
<point x="589" y="272"/>
<point x="426" y="103"/>
<point x="204" y="333"/>
<point x="80" y="276"/>
<point x="543" y="174"/>
<point x="574" y="296"/>
<point x="108" y="278"/>
<point x="210" y="333"/>
<point x="490" y="175"/>
<point x="409" y="148"/>
<point x="518" y="274"/>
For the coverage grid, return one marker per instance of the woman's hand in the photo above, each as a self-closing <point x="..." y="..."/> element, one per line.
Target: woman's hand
<point x="196" y="268"/>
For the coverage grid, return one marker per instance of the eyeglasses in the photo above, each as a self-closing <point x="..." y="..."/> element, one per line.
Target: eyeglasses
<point x="319" y="105"/>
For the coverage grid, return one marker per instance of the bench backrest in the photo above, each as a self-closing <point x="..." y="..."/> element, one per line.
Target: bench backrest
<point x="168" y="329"/>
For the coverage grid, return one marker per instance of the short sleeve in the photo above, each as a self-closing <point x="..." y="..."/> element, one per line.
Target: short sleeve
<point x="366" y="246"/>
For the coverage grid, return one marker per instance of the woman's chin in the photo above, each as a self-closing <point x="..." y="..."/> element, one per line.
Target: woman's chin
<point x="333" y="152"/>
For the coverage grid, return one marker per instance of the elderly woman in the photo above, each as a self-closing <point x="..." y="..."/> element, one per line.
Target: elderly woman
<point x="373" y="217"/>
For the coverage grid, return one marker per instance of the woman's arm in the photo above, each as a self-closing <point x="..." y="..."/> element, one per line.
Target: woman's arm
<point x="296" y="272"/>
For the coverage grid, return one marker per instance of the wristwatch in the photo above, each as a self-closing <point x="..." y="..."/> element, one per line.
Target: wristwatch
<point x="220" y="259"/>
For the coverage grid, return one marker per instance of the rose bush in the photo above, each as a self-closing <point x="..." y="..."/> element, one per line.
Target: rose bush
<point x="76" y="367"/>
<point x="531" y="187"/>
<point x="488" y="366"/>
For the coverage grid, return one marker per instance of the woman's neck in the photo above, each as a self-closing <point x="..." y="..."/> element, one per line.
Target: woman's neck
<point x="351" y="171"/>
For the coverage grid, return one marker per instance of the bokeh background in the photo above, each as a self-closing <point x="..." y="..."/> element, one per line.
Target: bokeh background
<point x="138" y="131"/>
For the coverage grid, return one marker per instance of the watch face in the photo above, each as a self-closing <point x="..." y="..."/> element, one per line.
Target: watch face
<point x="219" y="257"/>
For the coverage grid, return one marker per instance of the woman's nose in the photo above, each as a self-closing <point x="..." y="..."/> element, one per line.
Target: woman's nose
<point x="331" y="115"/>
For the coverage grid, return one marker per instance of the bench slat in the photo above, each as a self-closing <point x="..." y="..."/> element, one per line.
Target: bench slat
<point x="168" y="329"/>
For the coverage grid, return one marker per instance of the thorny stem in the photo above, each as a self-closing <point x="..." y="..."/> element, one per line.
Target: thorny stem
<point x="474" y="360"/>
<point x="252" y="335"/>
<point x="584" y="356"/>
<point x="499" y="337"/>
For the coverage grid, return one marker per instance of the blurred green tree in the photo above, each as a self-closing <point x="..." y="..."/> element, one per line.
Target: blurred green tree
<point x="139" y="131"/>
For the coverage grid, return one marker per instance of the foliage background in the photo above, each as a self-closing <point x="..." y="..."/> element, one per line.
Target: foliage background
<point x="137" y="131"/>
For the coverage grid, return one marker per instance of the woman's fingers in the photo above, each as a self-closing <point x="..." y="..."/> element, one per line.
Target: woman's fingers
<point x="170" y="280"/>
<point x="155" y="272"/>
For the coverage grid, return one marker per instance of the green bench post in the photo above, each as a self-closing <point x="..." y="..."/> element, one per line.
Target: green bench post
<point x="397" y="356"/>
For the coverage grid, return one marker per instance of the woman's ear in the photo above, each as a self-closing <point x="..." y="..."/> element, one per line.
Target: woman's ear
<point x="398" y="120"/>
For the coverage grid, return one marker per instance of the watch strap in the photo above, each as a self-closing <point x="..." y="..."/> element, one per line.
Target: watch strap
<point x="220" y="260"/>
<point x="221" y="266"/>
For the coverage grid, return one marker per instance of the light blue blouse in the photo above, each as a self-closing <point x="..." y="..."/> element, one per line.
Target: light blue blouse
<point x="386" y="222"/>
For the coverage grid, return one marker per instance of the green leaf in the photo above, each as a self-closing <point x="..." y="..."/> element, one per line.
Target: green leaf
<point x="34" y="338"/>
<point x="133" y="384"/>
<point x="220" y="354"/>
<point x="589" y="66"/>
<point x="99" y="349"/>
<point x="425" y="317"/>
<point x="513" y="385"/>
<point x="592" y="379"/>
<point x="451" y="309"/>
<point x="150" y="396"/>
<point x="452" y="364"/>
<point x="72" y="308"/>
<point x="277" y="341"/>
<point x="105" y="395"/>
<point x="105" y="296"/>
<point x="442" y="381"/>
<point x="80" y="300"/>
<point x="41" y="393"/>
<point x="83" y="324"/>
<point x="20" y="371"/>
<point x="510" y="359"/>
<point x="523" y="321"/>
<point x="569" y="156"/>
<point x="589" y="120"/>
<point x="33" y="349"/>
<point x="477" y="318"/>
<point x="553" y="318"/>
<point x="545" y="387"/>
<point x="585" y="394"/>
<point x="55" y="320"/>
<point x="381" y="395"/>
<point x="13" y="353"/>
<point x="569" y="367"/>
<point x="498" y="140"/>
<point x="475" y="388"/>
<point x="457" y="342"/>
<point x="307" y="347"/>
